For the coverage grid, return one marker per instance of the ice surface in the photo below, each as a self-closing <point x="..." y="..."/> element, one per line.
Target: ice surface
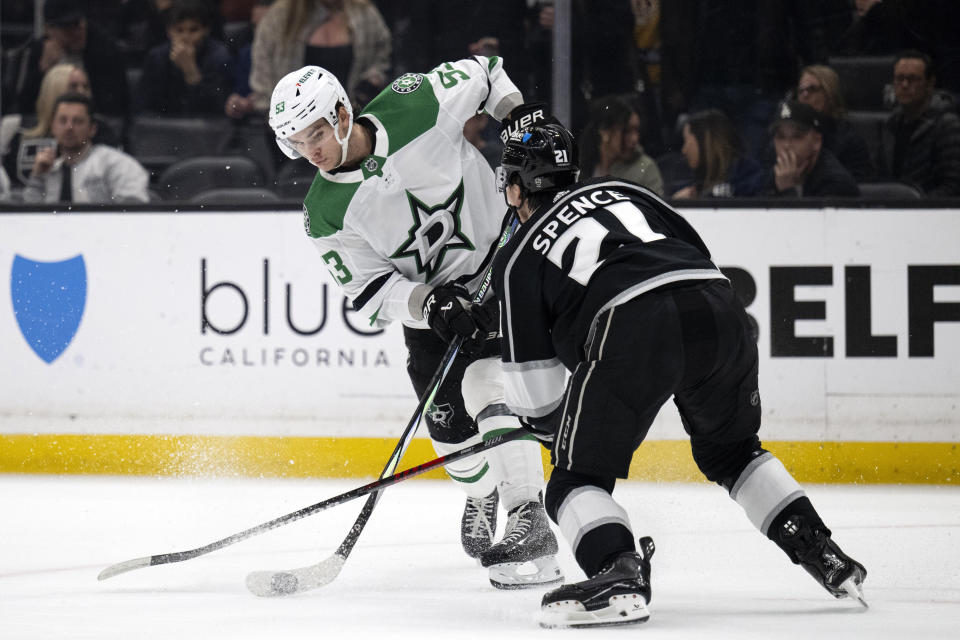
<point x="714" y="576"/>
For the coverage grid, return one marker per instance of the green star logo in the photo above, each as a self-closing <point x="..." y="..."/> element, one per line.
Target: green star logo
<point x="435" y="231"/>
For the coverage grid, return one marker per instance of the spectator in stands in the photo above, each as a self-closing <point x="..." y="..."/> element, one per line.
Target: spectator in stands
<point x="19" y="144"/>
<point x="347" y="37"/>
<point x="714" y="151"/>
<point x="819" y="87"/>
<point x="240" y="102"/>
<point x="78" y="170"/>
<point x="920" y="144"/>
<point x="610" y="145"/>
<point x="4" y="185"/>
<point x="191" y="73"/>
<point x="804" y="167"/>
<point x="68" y="38"/>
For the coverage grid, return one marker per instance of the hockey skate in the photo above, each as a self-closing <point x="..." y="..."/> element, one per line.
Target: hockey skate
<point x="813" y="549"/>
<point x="478" y="525"/>
<point x="618" y="594"/>
<point x="526" y="556"/>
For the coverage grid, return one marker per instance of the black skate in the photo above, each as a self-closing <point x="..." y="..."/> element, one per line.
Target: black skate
<point x="617" y="594"/>
<point x="816" y="552"/>
<point x="526" y="556"/>
<point x="478" y="525"/>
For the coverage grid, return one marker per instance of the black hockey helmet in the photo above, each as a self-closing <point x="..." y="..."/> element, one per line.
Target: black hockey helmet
<point x="542" y="157"/>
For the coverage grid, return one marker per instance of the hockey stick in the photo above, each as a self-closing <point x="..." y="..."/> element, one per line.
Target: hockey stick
<point x="376" y="485"/>
<point x="313" y="576"/>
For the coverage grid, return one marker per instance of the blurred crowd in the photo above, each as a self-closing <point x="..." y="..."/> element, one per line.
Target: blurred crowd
<point x="140" y="100"/>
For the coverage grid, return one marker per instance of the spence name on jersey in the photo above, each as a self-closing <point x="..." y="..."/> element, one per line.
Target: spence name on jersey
<point x="422" y="207"/>
<point x="619" y="237"/>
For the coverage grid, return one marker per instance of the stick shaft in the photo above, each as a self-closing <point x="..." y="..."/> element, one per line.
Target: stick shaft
<point x="433" y="387"/>
<point x="376" y="485"/>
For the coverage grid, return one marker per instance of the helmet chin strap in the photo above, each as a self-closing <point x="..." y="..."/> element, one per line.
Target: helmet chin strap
<point x="344" y="142"/>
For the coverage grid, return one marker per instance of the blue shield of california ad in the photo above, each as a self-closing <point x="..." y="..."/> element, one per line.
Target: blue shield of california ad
<point x="48" y="302"/>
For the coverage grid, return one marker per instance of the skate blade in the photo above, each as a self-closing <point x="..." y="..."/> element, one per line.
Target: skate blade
<point x="853" y="589"/>
<point x="628" y="608"/>
<point x="526" y="575"/>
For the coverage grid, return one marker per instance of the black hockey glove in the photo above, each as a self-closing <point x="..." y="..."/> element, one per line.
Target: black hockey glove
<point x="524" y="116"/>
<point x="450" y="314"/>
<point x="542" y="431"/>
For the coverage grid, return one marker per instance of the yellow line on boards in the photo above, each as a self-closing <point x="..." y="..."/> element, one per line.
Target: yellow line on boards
<point x="314" y="457"/>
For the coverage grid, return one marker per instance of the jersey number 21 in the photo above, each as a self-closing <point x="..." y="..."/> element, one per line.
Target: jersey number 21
<point x="590" y="234"/>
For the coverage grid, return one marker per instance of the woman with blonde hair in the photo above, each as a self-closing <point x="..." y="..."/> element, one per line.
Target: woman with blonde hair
<point x="60" y="79"/>
<point x="19" y="145"/>
<point x="819" y="87"/>
<point x="713" y="149"/>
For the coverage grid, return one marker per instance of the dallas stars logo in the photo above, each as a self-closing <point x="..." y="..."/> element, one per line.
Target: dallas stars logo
<point x="435" y="231"/>
<point x="440" y="414"/>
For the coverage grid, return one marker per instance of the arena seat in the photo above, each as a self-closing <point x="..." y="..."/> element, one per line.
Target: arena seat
<point x="236" y="196"/>
<point x="863" y="79"/>
<point x="188" y="178"/>
<point x="869" y="124"/>
<point x="157" y="142"/>
<point x="888" y="191"/>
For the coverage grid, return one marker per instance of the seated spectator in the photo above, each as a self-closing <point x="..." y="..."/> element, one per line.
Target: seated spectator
<point x="920" y="144"/>
<point x="191" y="74"/>
<point x="714" y="150"/>
<point x="819" y="87"/>
<point x="804" y="167"/>
<point x="240" y="102"/>
<point x="142" y="26"/>
<point x="610" y="145"/>
<point x="67" y="38"/>
<point x="78" y="170"/>
<point x="19" y="145"/>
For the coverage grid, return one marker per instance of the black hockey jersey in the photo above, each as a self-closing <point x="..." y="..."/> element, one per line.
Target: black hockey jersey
<point x="598" y="245"/>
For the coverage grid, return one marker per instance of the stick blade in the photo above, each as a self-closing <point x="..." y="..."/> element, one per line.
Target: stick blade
<point x="854" y="589"/>
<point x="270" y="584"/>
<point x="123" y="567"/>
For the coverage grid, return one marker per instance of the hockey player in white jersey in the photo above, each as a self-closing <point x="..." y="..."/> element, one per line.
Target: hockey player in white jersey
<point x="406" y="216"/>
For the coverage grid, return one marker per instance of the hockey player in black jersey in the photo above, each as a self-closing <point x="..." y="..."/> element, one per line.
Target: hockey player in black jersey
<point x="608" y="283"/>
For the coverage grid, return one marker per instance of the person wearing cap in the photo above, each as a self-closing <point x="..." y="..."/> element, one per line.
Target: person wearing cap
<point x="67" y="37"/>
<point x="804" y="167"/>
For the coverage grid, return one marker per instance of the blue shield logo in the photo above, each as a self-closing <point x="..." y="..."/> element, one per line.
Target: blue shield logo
<point x="48" y="302"/>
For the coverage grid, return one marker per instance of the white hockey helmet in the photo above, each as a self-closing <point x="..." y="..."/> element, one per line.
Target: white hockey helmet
<point x="301" y="98"/>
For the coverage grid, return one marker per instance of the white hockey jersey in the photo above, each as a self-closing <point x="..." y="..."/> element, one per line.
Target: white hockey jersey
<point x="422" y="207"/>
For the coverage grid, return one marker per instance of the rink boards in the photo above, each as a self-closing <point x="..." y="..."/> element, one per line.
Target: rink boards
<point x="215" y="343"/>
